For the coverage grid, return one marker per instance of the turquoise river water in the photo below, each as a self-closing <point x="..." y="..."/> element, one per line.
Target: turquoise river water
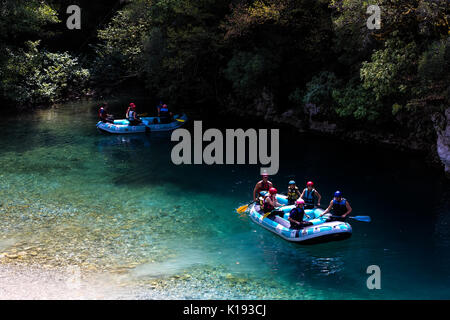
<point x="71" y="196"/>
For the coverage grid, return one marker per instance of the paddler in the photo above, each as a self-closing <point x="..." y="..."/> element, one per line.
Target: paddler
<point x="296" y="216"/>
<point x="270" y="202"/>
<point x="164" y="114"/>
<point x="293" y="193"/>
<point x="132" y="116"/>
<point x="263" y="185"/>
<point x="103" y="114"/>
<point x="309" y="195"/>
<point x="339" y="207"/>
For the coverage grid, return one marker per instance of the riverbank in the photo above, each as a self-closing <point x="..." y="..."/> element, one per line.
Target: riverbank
<point x="433" y="143"/>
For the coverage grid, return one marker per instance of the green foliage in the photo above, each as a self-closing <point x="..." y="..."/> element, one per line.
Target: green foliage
<point x="39" y="77"/>
<point x="354" y="101"/>
<point x="20" y="19"/>
<point x="433" y="89"/>
<point x="248" y="71"/>
<point x="390" y="68"/>
<point x="174" y="46"/>
<point x="319" y="89"/>
<point x="434" y="64"/>
<point x="204" y="52"/>
<point x="352" y="40"/>
<point x="396" y="108"/>
<point x="125" y="33"/>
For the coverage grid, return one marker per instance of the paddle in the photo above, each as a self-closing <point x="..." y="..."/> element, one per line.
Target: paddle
<point x="362" y="218"/>
<point x="358" y="218"/>
<point x="266" y="215"/>
<point x="244" y="208"/>
<point x="270" y="212"/>
<point x="180" y="120"/>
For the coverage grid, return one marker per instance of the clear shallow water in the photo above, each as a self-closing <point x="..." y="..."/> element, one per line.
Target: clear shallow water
<point x="73" y="196"/>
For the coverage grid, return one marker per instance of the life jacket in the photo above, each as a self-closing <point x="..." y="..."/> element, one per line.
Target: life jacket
<point x="298" y="210"/>
<point x="292" y="194"/>
<point x="163" y="112"/>
<point x="267" y="207"/>
<point x="131" y="115"/>
<point x="265" y="186"/>
<point x="101" y="111"/>
<point x="309" y="196"/>
<point x="339" y="207"/>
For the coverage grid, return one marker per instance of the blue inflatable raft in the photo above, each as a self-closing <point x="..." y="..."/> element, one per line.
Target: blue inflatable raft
<point x="321" y="231"/>
<point x="149" y="124"/>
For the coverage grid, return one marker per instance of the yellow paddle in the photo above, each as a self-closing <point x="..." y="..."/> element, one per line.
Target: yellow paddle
<point x="180" y="120"/>
<point x="242" y="209"/>
<point x="268" y="213"/>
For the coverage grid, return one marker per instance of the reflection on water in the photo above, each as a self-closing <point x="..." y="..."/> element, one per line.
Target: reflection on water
<point x="74" y="196"/>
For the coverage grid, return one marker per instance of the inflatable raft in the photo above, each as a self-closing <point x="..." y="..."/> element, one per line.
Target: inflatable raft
<point x="321" y="231"/>
<point x="149" y="124"/>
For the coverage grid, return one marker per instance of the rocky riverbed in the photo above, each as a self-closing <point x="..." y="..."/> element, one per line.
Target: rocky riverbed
<point x="20" y="281"/>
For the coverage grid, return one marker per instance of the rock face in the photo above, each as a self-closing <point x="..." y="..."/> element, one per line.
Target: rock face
<point x="443" y="142"/>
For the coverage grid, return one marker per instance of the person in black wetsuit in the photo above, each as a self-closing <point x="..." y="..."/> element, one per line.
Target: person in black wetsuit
<point x="339" y="207"/>
<point x="296" y="216"/>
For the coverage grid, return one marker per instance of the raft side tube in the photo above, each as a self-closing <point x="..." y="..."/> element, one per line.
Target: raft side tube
<point x="321" y="231"/>
<point x="148" y="125"/>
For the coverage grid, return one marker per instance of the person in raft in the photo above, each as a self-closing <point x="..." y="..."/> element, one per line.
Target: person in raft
<point x="309" y="195"/>
<point x="293" y="193"/>
<point x="270" y="203"/>
<point x="339" y="207"/>
<point x="164" y="114"/>
<point x="296" y="216"/>
<point x="103" y="114"/>
<point x="132" y="116"/>
<point x="263" y="185"/>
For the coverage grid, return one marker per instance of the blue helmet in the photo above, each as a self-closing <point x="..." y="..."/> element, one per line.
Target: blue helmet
<point x="337" y="194"/>
<point x="292" y="182"/>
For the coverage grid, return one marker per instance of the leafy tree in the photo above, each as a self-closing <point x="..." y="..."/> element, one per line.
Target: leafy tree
<point x="319" y="89"/>
<point x="355" y="101"/>
<point x="36" y="76"/>
<point x="391" y="69"/>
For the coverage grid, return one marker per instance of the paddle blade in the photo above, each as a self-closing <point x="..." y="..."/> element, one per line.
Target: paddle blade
<point x="266" y="215"/>
<point x="180" y="120"/>
<point x="242" y="209"/>
<point x="362" y="218"/>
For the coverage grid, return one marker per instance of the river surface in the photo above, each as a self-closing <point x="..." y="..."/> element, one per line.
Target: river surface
<point x="71" y="196"/>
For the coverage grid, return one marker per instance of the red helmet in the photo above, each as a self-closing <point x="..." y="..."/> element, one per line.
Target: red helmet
<point x="273" y="191"/>
<point x="132" y="105"/>
<point x="310" y="184"/>
<point x="299" y="202"/>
